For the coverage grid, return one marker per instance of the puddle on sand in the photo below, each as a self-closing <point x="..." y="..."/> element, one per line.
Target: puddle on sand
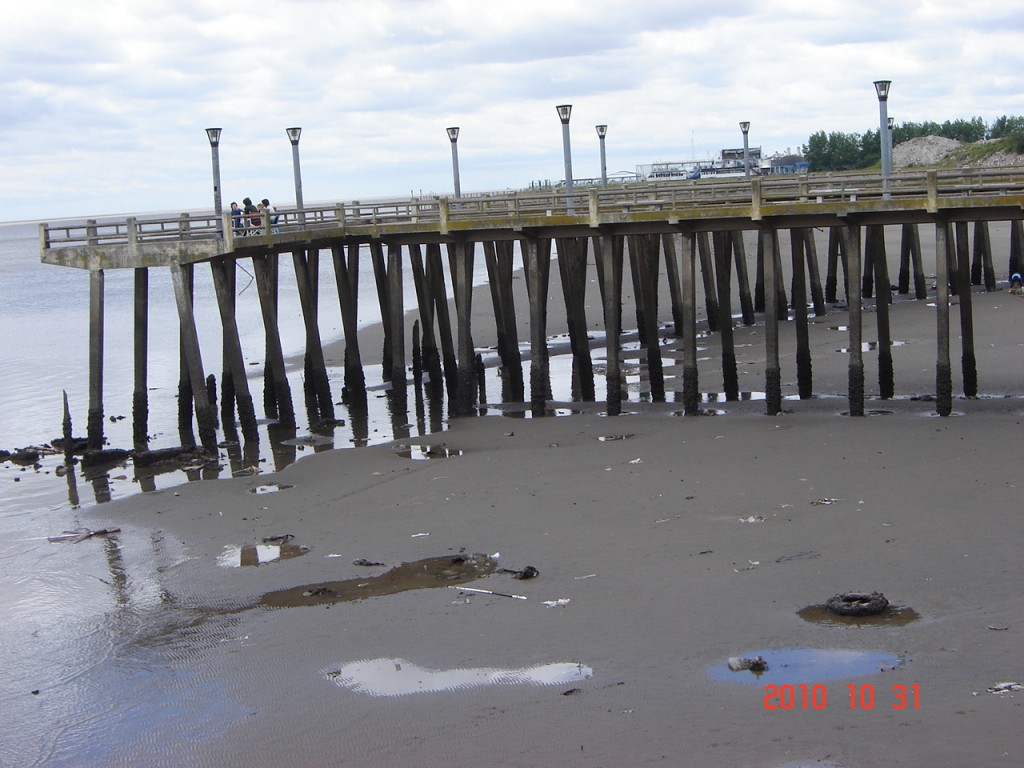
<point x="425" y="452"/>
<point x="398" y="677"/>
<point x="259" y="490"/>
<point x="258" y="554"/>
<point x="806" y="665"/>
<point x="433" y="572"/>
<point x="893" y="616"/>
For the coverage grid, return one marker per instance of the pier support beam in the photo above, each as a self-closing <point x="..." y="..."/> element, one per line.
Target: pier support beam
<point x="205" y="416"/>
<point x="769" y="246"/>
<point x="95" y="420"/>
<point x="463" y="267"/>
<point x="346" y="278"/>
<point x="852" y="249"/>
<point x="910" y="257"/>
<point x="264" y="267"/>
<point x="968" y="361"/>
<point x="435" y="279"/>
<point x="742" y="278"/>
<point x="797" y="246"/>
<point x="140" y="395"/>
<point x="836" y="254"/>
<point x="686" y="244"/>
<point x="982" y="265"/>
<point x="223" y="270"/>
<point x="572" y="265"/>
<point x="943" y="370"/>
<point x="611" y="279"/>
<point x="396" y="301"/>
<point x="538" y="264"/>
<point x="723" y="260"/>
<point x="883" y="298"/>
<point x="318" y="388"/>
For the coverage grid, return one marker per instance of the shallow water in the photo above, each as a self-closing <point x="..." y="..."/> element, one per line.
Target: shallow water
<point x="806" y="665"/>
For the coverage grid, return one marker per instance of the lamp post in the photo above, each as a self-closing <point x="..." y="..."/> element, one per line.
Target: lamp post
<point x="602" y="131"/>
<point x="453" y="136"/>
<point x="882" y="89"/>
<point x="745" y="127"/>
<point x="293" y="137"/>
<point x="564" y="110"/>
<point x="892" y="124"/>
<point x="213" y="134"/>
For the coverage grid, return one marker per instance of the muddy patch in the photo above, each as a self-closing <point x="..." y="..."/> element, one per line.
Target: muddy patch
<point x="892" y="616"/>
<point x="431" y="573"/>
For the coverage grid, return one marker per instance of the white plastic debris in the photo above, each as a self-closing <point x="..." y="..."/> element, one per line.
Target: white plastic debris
<point x="419" y="535"/>
<point x="557" y="603"/>
<point x="752" y="519"/>
<point x="1000" y="688"/>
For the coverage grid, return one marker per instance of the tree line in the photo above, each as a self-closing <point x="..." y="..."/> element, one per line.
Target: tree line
<point x="838" y="151"/>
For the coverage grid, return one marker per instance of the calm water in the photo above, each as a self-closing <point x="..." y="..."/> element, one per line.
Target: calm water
<point x="44" y="312"/>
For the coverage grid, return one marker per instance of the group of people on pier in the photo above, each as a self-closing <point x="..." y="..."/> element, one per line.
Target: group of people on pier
<point x="249" y="220"/>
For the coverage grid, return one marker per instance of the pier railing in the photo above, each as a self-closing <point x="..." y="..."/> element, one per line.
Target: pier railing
<point x="192" y="237"/>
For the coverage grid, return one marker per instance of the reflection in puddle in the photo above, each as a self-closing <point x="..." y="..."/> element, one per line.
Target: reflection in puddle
<point x="258" y="554"/>
<point x="398" y="677"/>
<point x="806" y="665"/>
<point x="269" y="488"/>
<point x="311" y="439"/>
<point x="870" y="346"/>
<point x="432" y="572"/>
<point x="424" y="452"/>
<point x="893" y="616"/>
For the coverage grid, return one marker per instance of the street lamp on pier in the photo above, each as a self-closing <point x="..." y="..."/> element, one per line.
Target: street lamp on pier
<point x="453" y="136"/>
<point x="213" y="134"/>
<point x="293" y="137"/>
<point x="882" y="89"/>
<point x="745" y="127"/>
<point x="602" y="131"/>
<point x="564" y="111"/>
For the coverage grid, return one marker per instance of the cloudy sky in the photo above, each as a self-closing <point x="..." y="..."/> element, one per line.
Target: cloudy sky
<point x="103" y="104"/>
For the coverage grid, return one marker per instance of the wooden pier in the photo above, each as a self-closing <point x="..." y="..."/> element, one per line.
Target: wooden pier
<point x="673" y="228"/>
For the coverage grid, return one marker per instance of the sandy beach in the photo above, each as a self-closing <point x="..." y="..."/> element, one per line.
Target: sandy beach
<point x="666" y="545"/>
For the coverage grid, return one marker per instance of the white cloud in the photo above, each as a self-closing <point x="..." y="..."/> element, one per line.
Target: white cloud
<point x="103" y="106"/>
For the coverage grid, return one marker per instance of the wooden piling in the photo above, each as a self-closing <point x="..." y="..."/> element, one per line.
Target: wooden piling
<point x="742" y="279"/>
<point x="346" y="279"/>
<point x="798" y="243"/>
<point x="435" y="280"/>
<point x="185" y="390"/>
<point x="707" y="271"/>
<point x="1016" y="263"/>
<point x="380" y="278"/>
<point x="836" y="254"/>
<point x="513" y="366"/>
<point x="223" y="271"/>
<point x="463" y="273"/>
<point x="983" y="257"/>
<point x="263" y="269"/>
<point x="140" y="394"/>
<point x="647" y="258"/>
<point x="674" y="285"/>
<point x="723" y="258"/>
<point x="883" y="298"/>
<point x="572" y="256"/>
<point x="769" y="246"/>
<point x="854" y="329"/>
<point x="228" y="398"/>
<point x="611" y="271"/>
<point x="943" y="370"/>
<point x="537" y="262"/>
<point x="813" y="273"/>
<point x="686" y="244"/>
<point x="315" y="365"/>
<point x="205" y="415"/>
<point x="397" y="303"/>
<point x="968" y="361"/>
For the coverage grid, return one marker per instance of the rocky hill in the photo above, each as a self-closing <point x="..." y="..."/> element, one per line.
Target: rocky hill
<point x="939" y="151"/>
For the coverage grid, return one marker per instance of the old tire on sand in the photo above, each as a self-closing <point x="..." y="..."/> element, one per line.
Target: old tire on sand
<point x="857" y="603"/>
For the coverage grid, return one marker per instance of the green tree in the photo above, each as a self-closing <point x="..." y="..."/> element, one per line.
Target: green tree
<point x="1004" y="126"/>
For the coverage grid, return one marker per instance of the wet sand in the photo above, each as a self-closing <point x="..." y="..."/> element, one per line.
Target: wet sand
<point x="682" y="543"/>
